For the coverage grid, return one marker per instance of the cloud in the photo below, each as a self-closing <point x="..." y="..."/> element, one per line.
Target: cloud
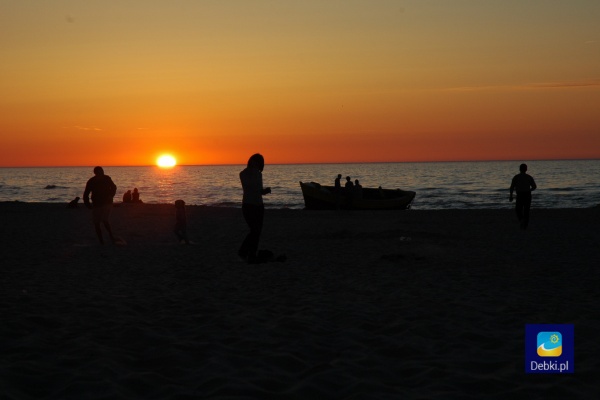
<point x="87" y="128"/>
<point x="529" y="86"/>
<point x="560" y="85"/>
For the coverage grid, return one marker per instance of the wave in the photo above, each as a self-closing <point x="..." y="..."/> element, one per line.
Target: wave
<point x="50" y="187"/>
<point x="226" y="204"/>
<point x="565" y="189"/>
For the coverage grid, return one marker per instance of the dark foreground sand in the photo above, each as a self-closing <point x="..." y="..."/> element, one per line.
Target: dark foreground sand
<point x="357" y="312"/>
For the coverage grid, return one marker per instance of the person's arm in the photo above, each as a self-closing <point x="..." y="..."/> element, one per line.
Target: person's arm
<point x="113" y="188"/>
<point x="512" y="188"/>
<point x="86" y="195"/>
<point x="266" y="190"/>
<point x="532" y="184"/>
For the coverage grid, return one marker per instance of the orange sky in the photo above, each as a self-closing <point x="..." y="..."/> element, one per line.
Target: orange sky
<point x="212" y="82"/>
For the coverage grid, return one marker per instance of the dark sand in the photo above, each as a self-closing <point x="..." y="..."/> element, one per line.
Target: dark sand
<point x="369" y="305"/>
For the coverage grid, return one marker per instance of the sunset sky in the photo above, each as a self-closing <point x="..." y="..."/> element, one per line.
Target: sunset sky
<point x="211" y="82"/>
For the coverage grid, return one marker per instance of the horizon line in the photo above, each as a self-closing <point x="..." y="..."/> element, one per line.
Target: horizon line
<point x="305" y="163"/>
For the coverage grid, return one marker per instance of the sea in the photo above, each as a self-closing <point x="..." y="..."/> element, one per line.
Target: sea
<point x="439" y="185"/>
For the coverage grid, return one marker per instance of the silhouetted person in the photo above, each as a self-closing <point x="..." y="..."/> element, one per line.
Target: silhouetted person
<point x="135" y="196"/>
<point x="357" y="189"/>
<point x="253" y="208"/>
<point x="181" y="222"/>
<point x="127" y="197"/>
<point x="348" y="191"/>
<point x="337" y="190"/>
<point x="103" y="190"/>
<point x="73" y="203"/>
<point x="524" y="185"/>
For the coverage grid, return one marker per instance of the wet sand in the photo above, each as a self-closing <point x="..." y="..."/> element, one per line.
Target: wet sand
<point x="369" y="305"/>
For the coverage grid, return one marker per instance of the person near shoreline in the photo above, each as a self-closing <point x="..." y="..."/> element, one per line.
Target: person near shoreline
<point x="523" y="184"/>
<point x="181" y="222"/>
<point x="135" y="196"/>
<point x="102" y="189"/>
<point x="253" y="207"/>
<point x="127" y="198"/>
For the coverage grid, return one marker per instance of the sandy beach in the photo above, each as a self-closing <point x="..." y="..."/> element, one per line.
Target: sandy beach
<point x="369" y="305"/>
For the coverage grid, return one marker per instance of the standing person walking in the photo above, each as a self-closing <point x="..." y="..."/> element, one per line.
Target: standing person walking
<point x="253" y="208"/>
<point x="103" y="190"/>
<point x="523" y="184"/>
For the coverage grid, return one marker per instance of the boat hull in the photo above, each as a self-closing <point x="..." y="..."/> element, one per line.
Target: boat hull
<point x="318" y="197"/>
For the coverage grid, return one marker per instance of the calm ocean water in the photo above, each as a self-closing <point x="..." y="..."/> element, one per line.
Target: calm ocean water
<point x="439" y="185"/>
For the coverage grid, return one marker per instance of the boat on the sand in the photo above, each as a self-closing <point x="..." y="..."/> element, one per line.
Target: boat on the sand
<point x="320" y="197"/>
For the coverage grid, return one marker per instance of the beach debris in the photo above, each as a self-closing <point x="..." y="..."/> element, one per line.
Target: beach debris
<point x="119" y="241"/>
<point x="393" y="257"/>
<point x="266" y="256"/>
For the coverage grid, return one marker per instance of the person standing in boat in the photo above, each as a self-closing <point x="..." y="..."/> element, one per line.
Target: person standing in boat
<point x="348" y="191"/>
<point x="338" y="190"/>
<point x="358" y="194"/>
<point x="524" y="185"/>
<point x="253" y="207"/>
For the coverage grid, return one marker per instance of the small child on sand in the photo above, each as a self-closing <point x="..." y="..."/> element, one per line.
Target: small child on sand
<point x="181" y="222"/>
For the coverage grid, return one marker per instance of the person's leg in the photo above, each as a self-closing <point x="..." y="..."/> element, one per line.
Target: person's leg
<point x="109" y="230"/>
<point x="519" y="207"/>
<point x="244" y="248"/>
<point x="254" y="218"/>
<point x="181" y="233"/>
<point x="98" y="232"/>
<point x="106" y="220"/>
<point x="178" y="231"/>
<point x="256" y="229"/>
<point x="97" y="218"/>
<point x="526" y="208"/>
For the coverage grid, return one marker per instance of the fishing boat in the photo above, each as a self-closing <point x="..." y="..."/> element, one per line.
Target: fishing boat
<point x="319" y="197"/>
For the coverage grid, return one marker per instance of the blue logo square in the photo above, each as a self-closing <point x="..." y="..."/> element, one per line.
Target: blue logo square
<point x="549" y="348"/>
<point x="549" y="344"/>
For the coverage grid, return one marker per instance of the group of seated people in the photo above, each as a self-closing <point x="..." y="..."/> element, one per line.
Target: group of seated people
<point x="130" y="197"/>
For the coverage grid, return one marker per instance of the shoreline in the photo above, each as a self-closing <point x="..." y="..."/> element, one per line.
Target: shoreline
<point x="369" y="304"/>
<point x="119" y="204"/>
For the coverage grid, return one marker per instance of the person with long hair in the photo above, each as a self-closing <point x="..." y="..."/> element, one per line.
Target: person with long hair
<point x="253" y="207"/>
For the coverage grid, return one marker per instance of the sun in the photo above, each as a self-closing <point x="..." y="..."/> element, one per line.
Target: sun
<point x="166" y="161"/>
